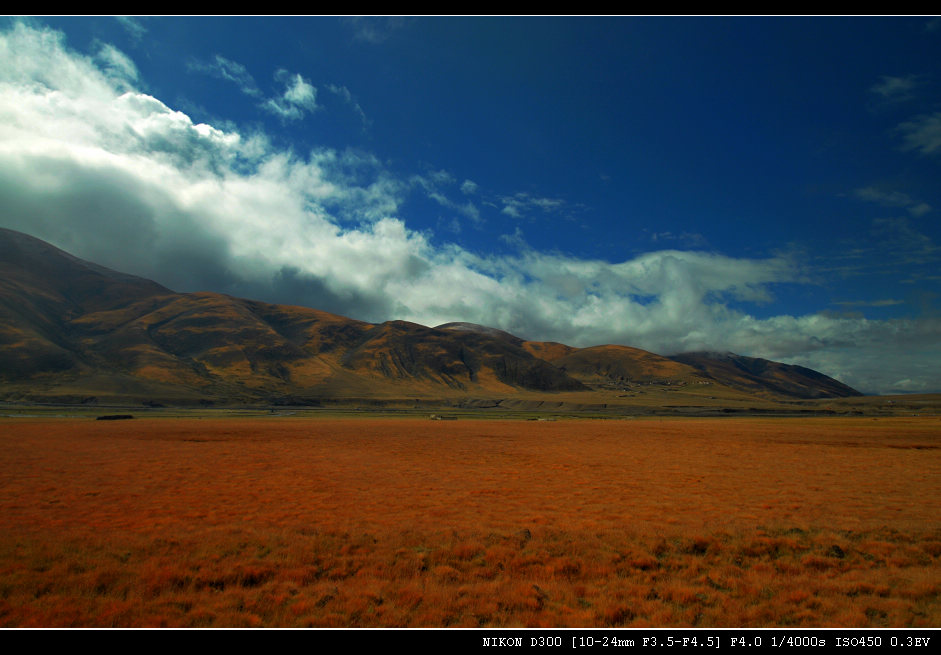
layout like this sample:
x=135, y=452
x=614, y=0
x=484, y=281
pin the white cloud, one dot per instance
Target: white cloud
x=344, y=94
x=299, y=97
x=919, y=209
x=895, y=88
x=118, y=177
x=432, y=184
x=922, y=133
x=229, y=70
x=117, y=65
x=523, y=203
x=510, y=209
x=893, y=199
x=133, y=26
x=375, y=29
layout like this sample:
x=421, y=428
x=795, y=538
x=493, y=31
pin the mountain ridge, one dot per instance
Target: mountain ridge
x=75, y=330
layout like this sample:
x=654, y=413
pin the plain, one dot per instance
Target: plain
x=364, y=522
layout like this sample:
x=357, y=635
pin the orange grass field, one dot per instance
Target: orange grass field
x=359, y=522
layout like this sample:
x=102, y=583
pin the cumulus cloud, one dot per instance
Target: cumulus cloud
x=119, y=177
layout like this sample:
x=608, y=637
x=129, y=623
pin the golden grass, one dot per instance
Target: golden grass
x=403, y=522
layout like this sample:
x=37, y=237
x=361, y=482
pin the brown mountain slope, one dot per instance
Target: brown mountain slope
x=622, y=366
x=457, y=358
x=64, y=282
x=70, y=329
x=765, y=377
x=615, y=367
x=42, y=289
x=548, y=350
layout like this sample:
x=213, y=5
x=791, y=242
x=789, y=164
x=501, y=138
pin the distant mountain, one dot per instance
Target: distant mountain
x=71, y=330
x=626, y=365
x=481, y=329
x=42, y=291
x=763, y=376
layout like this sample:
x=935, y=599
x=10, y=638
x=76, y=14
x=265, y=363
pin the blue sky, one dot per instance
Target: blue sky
x=767, y=186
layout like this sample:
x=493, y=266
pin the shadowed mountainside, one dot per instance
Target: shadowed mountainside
x=73, y=330
x=761, y=375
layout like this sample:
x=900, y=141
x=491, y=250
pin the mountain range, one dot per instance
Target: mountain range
x=74, y=331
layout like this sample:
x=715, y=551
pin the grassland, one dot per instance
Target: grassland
x=337, y=522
